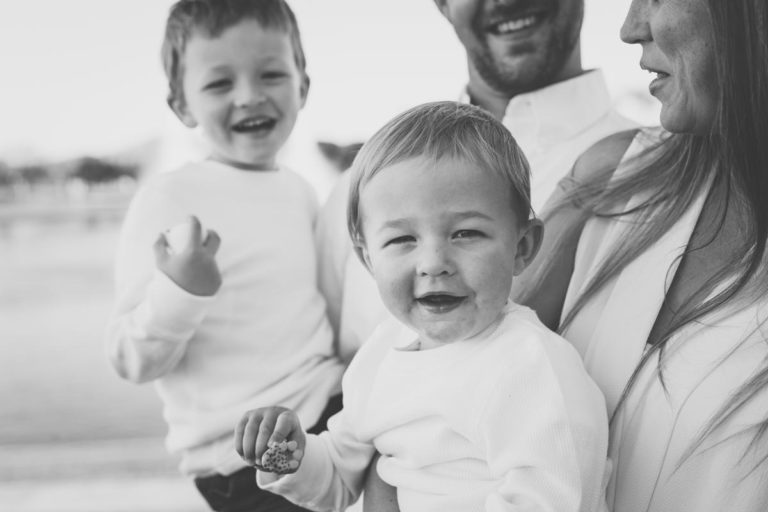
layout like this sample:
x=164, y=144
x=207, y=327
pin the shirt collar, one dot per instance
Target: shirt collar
x=558, y=111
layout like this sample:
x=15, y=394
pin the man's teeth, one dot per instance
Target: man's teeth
x=513, y=25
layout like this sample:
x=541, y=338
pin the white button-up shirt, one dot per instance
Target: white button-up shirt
x=556, y=124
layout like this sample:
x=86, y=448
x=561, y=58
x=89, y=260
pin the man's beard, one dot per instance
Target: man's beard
x=541, y=66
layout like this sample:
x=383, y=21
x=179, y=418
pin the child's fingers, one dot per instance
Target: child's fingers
x=283, y=455
x=247, y=434
x=212, y=242
x=195, y=231
x=161, y=248
x=264, y=432
x=240, y=431
x=284, y=427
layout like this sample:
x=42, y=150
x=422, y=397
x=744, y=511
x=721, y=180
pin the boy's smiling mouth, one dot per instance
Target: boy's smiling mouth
x=257, y=124
x=440, y=302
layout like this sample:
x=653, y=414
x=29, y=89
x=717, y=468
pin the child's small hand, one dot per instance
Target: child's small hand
x=271, y=438
x=194, y=267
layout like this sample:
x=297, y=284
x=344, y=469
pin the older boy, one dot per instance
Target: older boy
x=224, y=329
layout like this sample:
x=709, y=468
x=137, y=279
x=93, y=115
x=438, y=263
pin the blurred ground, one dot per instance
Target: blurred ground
x=73, y=436
x=120, y=475
x=55, y=382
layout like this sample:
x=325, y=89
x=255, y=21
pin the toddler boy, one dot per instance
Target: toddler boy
x=471, y=401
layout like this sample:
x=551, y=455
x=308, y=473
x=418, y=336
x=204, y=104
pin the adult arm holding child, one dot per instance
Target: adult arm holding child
x=544, y=284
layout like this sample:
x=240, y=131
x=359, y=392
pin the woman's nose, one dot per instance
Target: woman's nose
x=636, y=29
x=434, y=260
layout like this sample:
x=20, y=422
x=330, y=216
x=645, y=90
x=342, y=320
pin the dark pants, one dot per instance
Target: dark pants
x=238, y=492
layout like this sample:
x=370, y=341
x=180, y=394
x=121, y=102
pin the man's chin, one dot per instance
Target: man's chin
x=514, y=74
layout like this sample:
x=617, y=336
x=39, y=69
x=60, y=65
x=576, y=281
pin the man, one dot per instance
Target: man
x=525, y=68
x=524, y=61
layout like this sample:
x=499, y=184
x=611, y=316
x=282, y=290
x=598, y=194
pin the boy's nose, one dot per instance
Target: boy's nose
x=248, y=95
x=434, y=260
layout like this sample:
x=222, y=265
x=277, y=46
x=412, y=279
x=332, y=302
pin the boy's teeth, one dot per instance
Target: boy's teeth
x=513, y=25
x=253, y=123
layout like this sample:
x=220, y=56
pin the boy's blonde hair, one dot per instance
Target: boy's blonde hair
x=211, y=18
x=438, y=130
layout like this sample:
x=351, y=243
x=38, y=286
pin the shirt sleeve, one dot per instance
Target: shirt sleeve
x=531, y=441
x=153, y=319
x=333, y=470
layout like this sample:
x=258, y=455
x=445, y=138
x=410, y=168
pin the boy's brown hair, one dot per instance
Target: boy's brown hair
x=443, y=129
x=211, y=18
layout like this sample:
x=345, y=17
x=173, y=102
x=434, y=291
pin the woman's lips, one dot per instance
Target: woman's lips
x=658, y=80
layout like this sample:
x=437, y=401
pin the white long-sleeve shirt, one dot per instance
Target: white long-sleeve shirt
x=507, y=420
x=553, y=126
x=263, y=339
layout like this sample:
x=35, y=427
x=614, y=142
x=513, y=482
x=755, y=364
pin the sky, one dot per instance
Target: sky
x=84, y=76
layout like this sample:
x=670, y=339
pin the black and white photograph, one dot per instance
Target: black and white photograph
x=384, y=256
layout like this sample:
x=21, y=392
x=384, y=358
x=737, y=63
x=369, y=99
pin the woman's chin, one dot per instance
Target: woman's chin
x=691, y=121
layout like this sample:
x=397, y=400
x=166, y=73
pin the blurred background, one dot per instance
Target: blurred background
x=83, y=121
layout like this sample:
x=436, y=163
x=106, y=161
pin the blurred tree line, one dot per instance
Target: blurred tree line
x=89, y=171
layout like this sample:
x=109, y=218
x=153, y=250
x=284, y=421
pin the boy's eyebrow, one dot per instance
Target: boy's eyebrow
x=225, y=67
x=470, y=214
x=269, y=59
x=219, y=68
x=396, y=223
x=462, y=215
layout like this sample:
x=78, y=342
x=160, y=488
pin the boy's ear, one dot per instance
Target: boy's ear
x=179, y=107
x=362, y=253
x=528, y=245
x=304, y=89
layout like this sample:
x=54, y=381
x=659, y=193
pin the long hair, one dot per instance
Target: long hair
x=672, y=173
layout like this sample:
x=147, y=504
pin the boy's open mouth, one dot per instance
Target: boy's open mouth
x=259, y=124
x=440, y=302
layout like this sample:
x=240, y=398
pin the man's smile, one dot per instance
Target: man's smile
x=510, y=19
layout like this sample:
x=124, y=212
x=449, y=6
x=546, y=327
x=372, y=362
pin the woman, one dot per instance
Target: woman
x=656, y=268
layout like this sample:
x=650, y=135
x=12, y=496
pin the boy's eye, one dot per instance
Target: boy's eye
x=465, y=234
x=216, y=84
x=399, y=240
x=273, y=75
